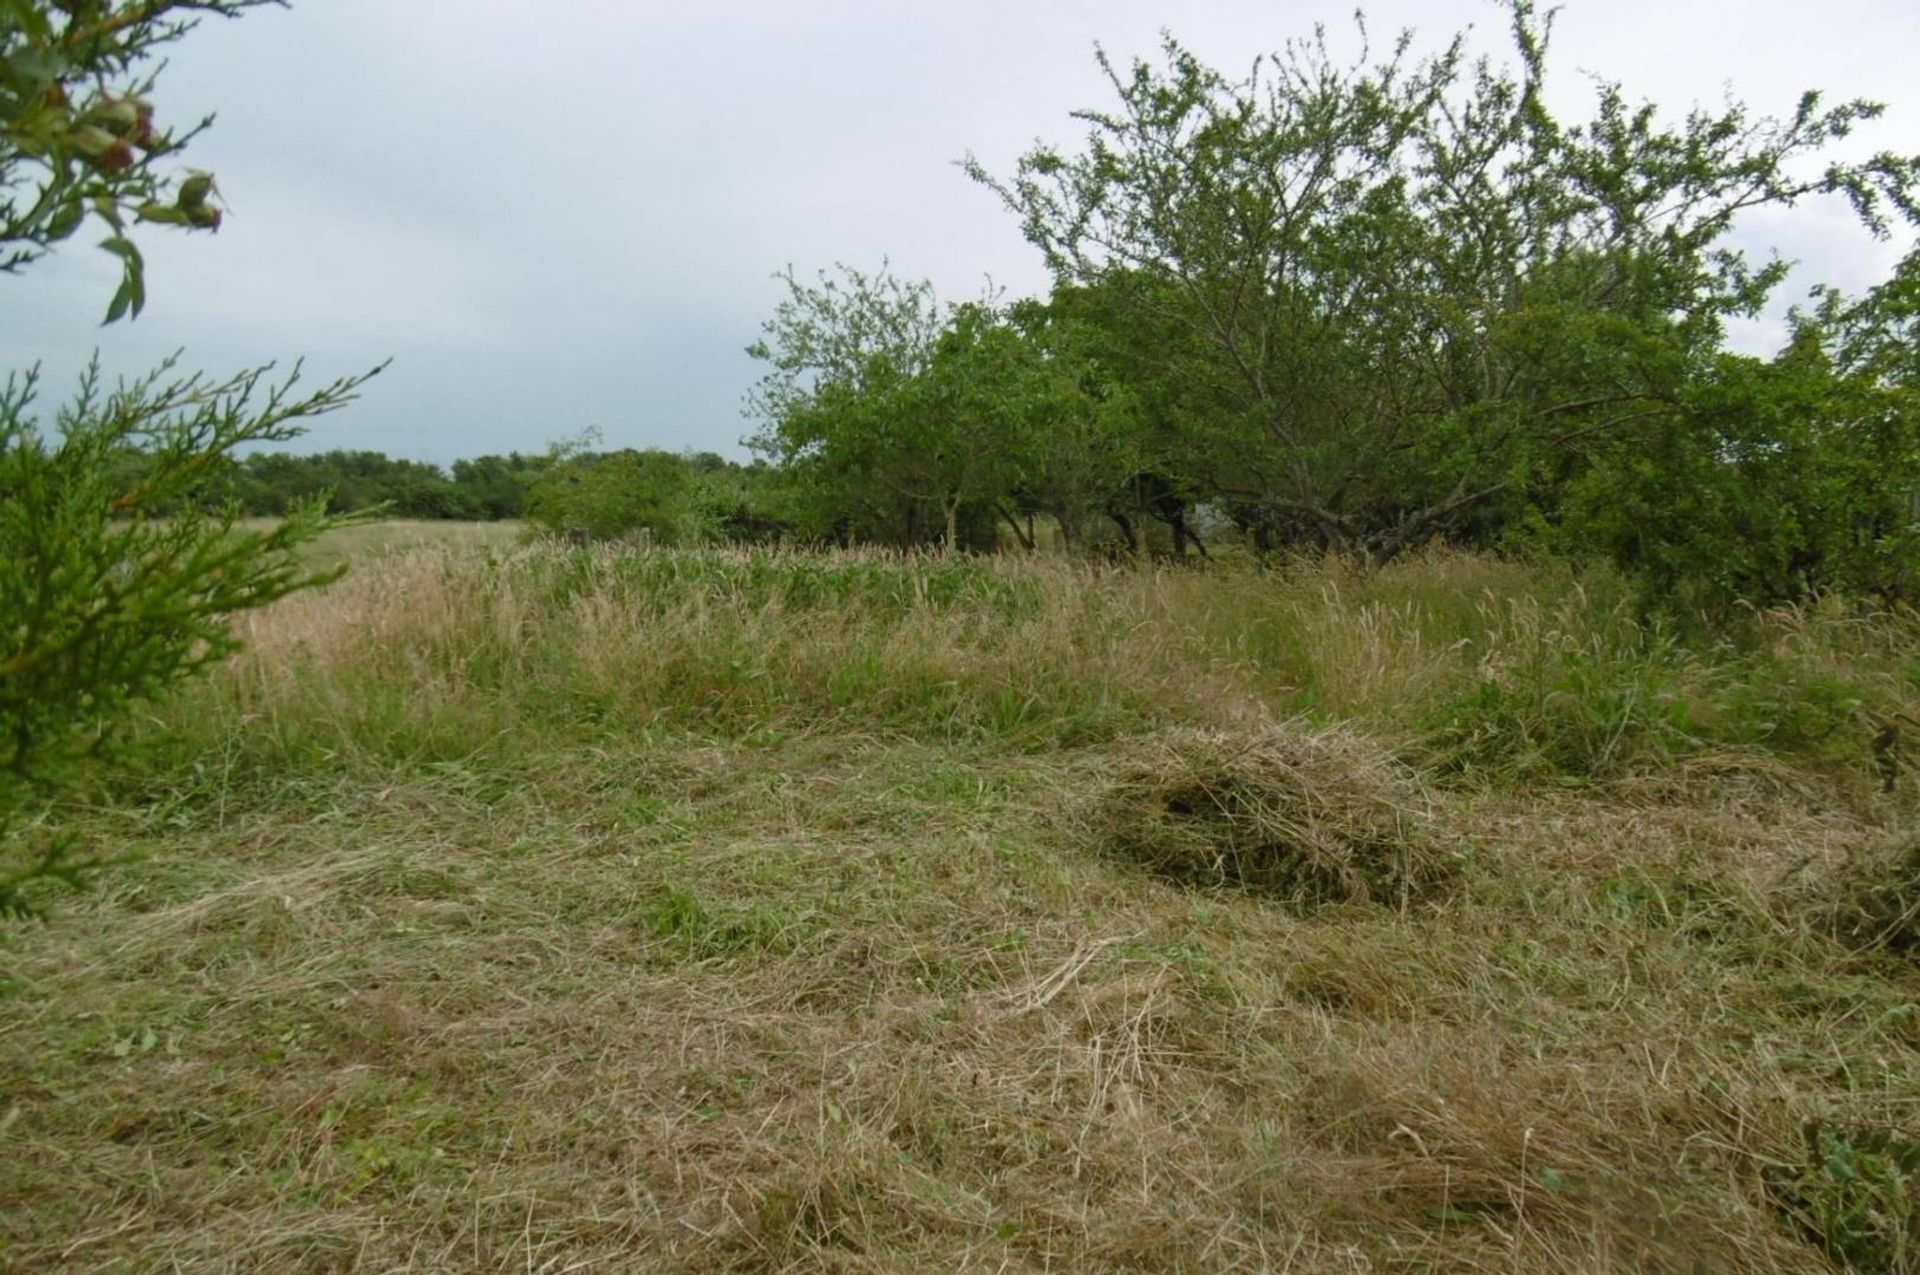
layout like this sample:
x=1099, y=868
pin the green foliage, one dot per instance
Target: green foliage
x=1787, y=708
x=727, y=501
x=914, y=423
x=267, y=484
x=615, y=495
x=1383, y=301
x=1858, y=1197
x=1773, y=480
x=1586, y=693
x=116, y=582
x=113, y=588
x=78, y=131
x=841, y=352
x=1358, y=306
x=1577, y=701
x=495, y=487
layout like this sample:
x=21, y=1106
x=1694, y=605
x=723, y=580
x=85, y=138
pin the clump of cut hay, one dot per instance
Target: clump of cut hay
x=1314, y=816
x=1873, y=901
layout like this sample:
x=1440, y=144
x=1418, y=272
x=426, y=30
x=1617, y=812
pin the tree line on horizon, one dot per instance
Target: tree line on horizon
x=1361, y=306
x=1332, y=306
x=488, y=488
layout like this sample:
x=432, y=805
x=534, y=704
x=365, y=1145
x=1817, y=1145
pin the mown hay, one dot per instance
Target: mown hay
x=1313, y=816
x=1873, y=902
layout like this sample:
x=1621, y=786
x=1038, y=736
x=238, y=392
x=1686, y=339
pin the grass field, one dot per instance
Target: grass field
x=510, y=908
x=364, y=542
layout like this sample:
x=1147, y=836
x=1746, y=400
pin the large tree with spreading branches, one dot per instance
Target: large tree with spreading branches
x=1408, y=291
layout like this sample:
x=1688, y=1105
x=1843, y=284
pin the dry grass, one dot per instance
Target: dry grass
x=1873, y=900
x=721, y=911
x=385, y=537
x=1309, y=816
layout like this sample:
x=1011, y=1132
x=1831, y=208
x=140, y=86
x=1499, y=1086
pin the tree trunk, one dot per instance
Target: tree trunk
x=953, y=526
x=1025, y=537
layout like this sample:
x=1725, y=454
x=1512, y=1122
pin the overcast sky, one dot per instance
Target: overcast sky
x=556, y=214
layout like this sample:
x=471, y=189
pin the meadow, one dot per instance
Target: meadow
x=363, y=541
x=521, y=908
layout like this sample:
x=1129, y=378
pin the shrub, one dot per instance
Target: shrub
x=616, y=495
x=113, y=590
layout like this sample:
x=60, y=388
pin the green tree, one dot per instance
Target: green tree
x=927, y=423
x=1076, y=441
x=974, y=418
x=615, y=495
x=1774, y=479
x=1149, y=378
x=115, y=583
x=1410, y=290
x=495, y=487
x=840, y=354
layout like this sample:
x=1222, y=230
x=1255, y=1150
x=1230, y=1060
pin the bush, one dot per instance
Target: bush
x=112, y=587
x=615, y=495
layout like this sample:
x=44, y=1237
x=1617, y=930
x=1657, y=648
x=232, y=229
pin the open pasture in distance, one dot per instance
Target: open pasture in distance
x=376, y=538
x=544, y=910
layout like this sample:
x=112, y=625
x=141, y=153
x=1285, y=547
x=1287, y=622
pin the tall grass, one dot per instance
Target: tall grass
x=1468, y=665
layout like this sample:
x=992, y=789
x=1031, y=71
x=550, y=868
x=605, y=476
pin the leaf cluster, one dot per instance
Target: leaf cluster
x=79, y=135
x=1407, y=293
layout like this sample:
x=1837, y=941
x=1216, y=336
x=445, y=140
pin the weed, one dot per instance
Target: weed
x=1858, y=1196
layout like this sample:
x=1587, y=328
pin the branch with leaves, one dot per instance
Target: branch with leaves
x=79, y=132
x=115, y=585
x=117, y=578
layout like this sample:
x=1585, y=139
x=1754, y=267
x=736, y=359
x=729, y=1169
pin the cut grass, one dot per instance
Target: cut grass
x=1873, y=901
x=719, y=911
x=1306, y=816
